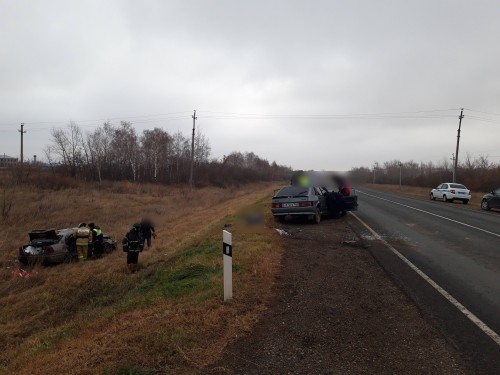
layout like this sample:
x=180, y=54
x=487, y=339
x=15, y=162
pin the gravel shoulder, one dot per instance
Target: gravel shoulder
x=336, y=311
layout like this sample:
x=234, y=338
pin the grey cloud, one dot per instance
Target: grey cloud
x=92, y=60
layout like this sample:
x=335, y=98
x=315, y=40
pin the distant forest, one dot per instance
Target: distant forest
x=477, y=174
x=118, y=153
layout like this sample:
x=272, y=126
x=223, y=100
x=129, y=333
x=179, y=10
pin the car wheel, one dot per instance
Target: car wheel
x=433, y=197
x=107, y=248
x=485, y=205
x=465, y=201
x=445, y=199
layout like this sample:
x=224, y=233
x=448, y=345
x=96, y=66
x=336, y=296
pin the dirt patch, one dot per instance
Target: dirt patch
x=337, y=312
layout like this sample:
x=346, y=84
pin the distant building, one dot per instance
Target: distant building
x=6, y=160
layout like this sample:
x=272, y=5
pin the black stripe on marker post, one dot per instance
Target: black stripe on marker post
x=227, y=249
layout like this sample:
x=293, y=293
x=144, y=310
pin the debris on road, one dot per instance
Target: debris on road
x=348, y=242
x=282, y=232
x=20, y=273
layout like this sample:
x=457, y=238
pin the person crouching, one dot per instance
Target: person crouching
x=133, y=244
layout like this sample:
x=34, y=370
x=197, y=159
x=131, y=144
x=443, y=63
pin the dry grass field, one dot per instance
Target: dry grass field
x=93, y=317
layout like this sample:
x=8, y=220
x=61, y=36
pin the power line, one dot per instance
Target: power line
x=234, y=115
x=342, y=115
x=428, y=114
x=124, y=118
x=217, y=115
x=325, y=117
x=483, y=119
x=486, y=113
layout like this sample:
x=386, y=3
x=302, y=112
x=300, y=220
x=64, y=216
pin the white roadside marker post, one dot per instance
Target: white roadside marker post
x=227, y=251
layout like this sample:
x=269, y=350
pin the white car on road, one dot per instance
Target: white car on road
x=450, y=191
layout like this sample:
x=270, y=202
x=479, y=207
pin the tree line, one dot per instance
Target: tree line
x=477, y=174
x=120, y=153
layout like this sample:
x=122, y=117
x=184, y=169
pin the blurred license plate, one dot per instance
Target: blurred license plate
x=289, y=205
x=461, y=192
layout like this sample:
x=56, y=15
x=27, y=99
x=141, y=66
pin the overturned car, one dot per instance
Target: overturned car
x=50, y=246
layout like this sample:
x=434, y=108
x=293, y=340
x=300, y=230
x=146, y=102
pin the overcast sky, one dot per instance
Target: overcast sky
x=311, y=84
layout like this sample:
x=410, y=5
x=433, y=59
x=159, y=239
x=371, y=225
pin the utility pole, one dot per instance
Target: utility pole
x=453, y=161
x=192, y=152
x=458, y=142
x=22, y=131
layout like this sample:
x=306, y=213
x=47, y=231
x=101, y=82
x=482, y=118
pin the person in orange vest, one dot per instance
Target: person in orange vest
x=83, y=239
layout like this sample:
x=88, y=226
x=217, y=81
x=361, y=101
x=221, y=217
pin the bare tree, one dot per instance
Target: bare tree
x=156, y=148
x=120, y=153
x=234, y=159
x=67, y=144
x=99, y=145
x=181, y=152
x=202, y=148
x=126, y=147
x=483, y=163
x=470, y=163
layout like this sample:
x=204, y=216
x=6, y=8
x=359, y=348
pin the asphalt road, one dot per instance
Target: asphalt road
x=458, y=248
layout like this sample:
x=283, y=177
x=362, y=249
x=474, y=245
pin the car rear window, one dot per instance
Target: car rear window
x=290, y=191
x=457, y=186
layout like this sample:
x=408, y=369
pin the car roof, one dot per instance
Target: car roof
x=455, y=185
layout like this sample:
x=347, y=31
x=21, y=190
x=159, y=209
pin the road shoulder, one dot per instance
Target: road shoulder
x=337, y=311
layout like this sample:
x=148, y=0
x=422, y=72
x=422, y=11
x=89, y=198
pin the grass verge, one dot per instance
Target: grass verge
x=169, y=317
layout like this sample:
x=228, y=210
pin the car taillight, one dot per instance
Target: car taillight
x=452, y=191
x=276, y=205
x=306, y=204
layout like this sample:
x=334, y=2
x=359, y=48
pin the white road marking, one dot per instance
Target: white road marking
x=478, y=322
x=432, y=214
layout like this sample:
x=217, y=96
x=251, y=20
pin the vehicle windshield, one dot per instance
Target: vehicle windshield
x=292, y=191
x=457, y=186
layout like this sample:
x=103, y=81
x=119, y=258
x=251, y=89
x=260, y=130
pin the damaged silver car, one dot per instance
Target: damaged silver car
x=50, y=246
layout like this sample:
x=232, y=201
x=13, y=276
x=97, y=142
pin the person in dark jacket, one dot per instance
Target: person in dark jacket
x=335, y=203
x=95, y=250
x=133, y=244
x=148, y=231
